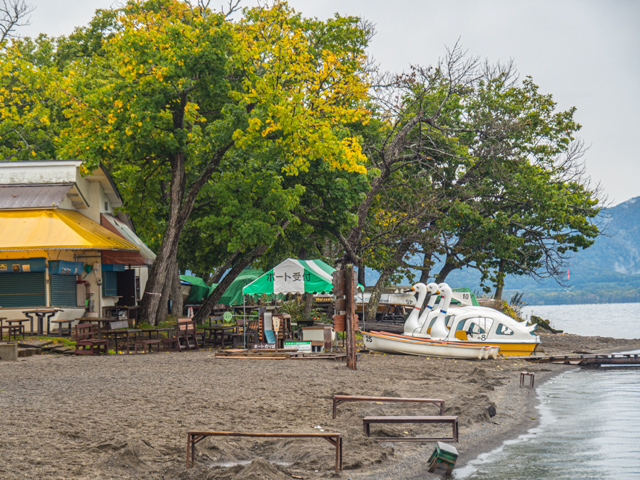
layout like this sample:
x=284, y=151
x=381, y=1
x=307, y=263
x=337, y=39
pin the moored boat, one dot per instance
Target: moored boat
x=486, y=326
x=477, y=325
x=392, y=343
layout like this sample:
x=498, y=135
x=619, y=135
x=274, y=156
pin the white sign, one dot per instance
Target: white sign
x=288, y=278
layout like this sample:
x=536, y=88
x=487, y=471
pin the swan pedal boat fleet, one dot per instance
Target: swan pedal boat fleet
x=470, y=332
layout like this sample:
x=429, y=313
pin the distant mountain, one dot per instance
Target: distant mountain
x=606, y=272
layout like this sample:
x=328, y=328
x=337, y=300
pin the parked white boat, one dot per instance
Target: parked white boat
x=479, y=325
x=486, y=326
x=407, y=298
x=392, y=343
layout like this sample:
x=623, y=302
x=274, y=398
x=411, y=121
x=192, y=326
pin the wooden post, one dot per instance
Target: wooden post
x=275, y=324
x=350, y=282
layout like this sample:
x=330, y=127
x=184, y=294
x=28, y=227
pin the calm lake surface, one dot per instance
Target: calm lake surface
x=589, y=419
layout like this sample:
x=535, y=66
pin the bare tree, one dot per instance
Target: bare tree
x=13, y=14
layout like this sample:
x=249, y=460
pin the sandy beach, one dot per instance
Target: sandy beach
x=126, y=416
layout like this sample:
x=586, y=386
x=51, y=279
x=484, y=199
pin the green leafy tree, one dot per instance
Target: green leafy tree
x=474, y=148
x=179, y=95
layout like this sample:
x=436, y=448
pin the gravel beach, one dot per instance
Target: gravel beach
x=127, y=416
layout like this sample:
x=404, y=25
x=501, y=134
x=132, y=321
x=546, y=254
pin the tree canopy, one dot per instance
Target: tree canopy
x=250, y=140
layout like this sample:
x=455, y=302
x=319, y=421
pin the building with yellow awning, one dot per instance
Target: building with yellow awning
x=63, y=243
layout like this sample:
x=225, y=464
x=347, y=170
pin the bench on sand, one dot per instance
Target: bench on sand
x=338, y=399
x=195, y=436
x=453, y=421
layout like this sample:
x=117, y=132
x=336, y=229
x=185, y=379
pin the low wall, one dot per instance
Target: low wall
x=8, y=352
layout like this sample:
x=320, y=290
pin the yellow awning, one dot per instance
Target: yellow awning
x=56, y=230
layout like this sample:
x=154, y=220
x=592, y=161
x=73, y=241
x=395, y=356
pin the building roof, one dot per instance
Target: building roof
x=32, y=196
x=56, y=229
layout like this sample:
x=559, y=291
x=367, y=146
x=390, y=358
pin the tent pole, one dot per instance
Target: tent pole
x=363, y=320
x=244, y=322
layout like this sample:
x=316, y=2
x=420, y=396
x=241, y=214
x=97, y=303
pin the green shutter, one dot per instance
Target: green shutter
x=110, y=284
x=22, y=290
x=63, y=291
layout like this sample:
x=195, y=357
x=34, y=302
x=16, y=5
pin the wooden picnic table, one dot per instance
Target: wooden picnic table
x=150, y=341
x=451, y=420
x=338, y=399
x=40, y=314
x=127, y=335
x=195, y=436
x=216, y=334
x=14, y=330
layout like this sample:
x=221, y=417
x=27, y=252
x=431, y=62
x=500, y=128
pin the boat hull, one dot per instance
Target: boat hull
x=512, y=349
x=389, y=343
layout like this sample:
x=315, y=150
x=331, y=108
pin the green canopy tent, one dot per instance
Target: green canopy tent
x=233, y=294
x=199, y=288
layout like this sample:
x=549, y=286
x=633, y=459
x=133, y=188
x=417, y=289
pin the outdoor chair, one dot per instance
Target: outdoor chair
x=185, y=338
x=87, y=342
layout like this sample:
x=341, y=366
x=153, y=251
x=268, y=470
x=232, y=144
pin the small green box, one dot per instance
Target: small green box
x=443, y=453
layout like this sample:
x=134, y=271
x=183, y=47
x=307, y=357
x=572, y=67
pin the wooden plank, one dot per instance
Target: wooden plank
x=256, y=357
x=452, y=420
x=350, y=281
x=195, y=436
x=338, y=399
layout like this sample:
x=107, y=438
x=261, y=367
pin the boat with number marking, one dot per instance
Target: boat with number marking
x=403, y=344
x=476, y=325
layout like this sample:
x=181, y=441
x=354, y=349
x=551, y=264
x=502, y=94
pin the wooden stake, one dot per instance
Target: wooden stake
x=350, y=313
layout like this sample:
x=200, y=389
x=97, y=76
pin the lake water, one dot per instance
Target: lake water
x=618, y=320
x=589, y=419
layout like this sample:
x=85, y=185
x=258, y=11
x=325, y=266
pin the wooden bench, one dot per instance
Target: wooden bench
x=14, y=330
x=338, y=399
x=195, y=436
x=147, y=344
x=62, y=331
x=453, y=421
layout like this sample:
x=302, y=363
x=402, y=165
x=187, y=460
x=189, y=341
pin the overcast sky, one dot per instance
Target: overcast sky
x=586, y=53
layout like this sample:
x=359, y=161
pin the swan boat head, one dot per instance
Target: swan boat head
x=412, y=320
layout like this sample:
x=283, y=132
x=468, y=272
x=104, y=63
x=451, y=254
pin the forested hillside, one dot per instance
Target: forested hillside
x=607, y=272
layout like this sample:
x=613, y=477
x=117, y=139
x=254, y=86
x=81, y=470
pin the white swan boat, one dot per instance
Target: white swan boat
x=413, y=345
x=392, y=343
x=475, y=325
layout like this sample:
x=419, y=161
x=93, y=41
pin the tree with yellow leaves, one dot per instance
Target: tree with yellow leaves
x=182, y=97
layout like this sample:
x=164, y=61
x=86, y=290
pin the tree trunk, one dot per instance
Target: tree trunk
x=374, y=299
x=447, y=268
x=178, y=215
x=220, y=271
x=244, y=262
x=308, y=305
x=500, y=280
x=361, y=274
x=176, y=292
x=163, y=306
x=426, y=264
x=207, y=306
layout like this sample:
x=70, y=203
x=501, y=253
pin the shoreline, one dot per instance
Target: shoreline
x=126, y=416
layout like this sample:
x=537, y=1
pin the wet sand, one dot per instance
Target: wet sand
x=126, y=417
